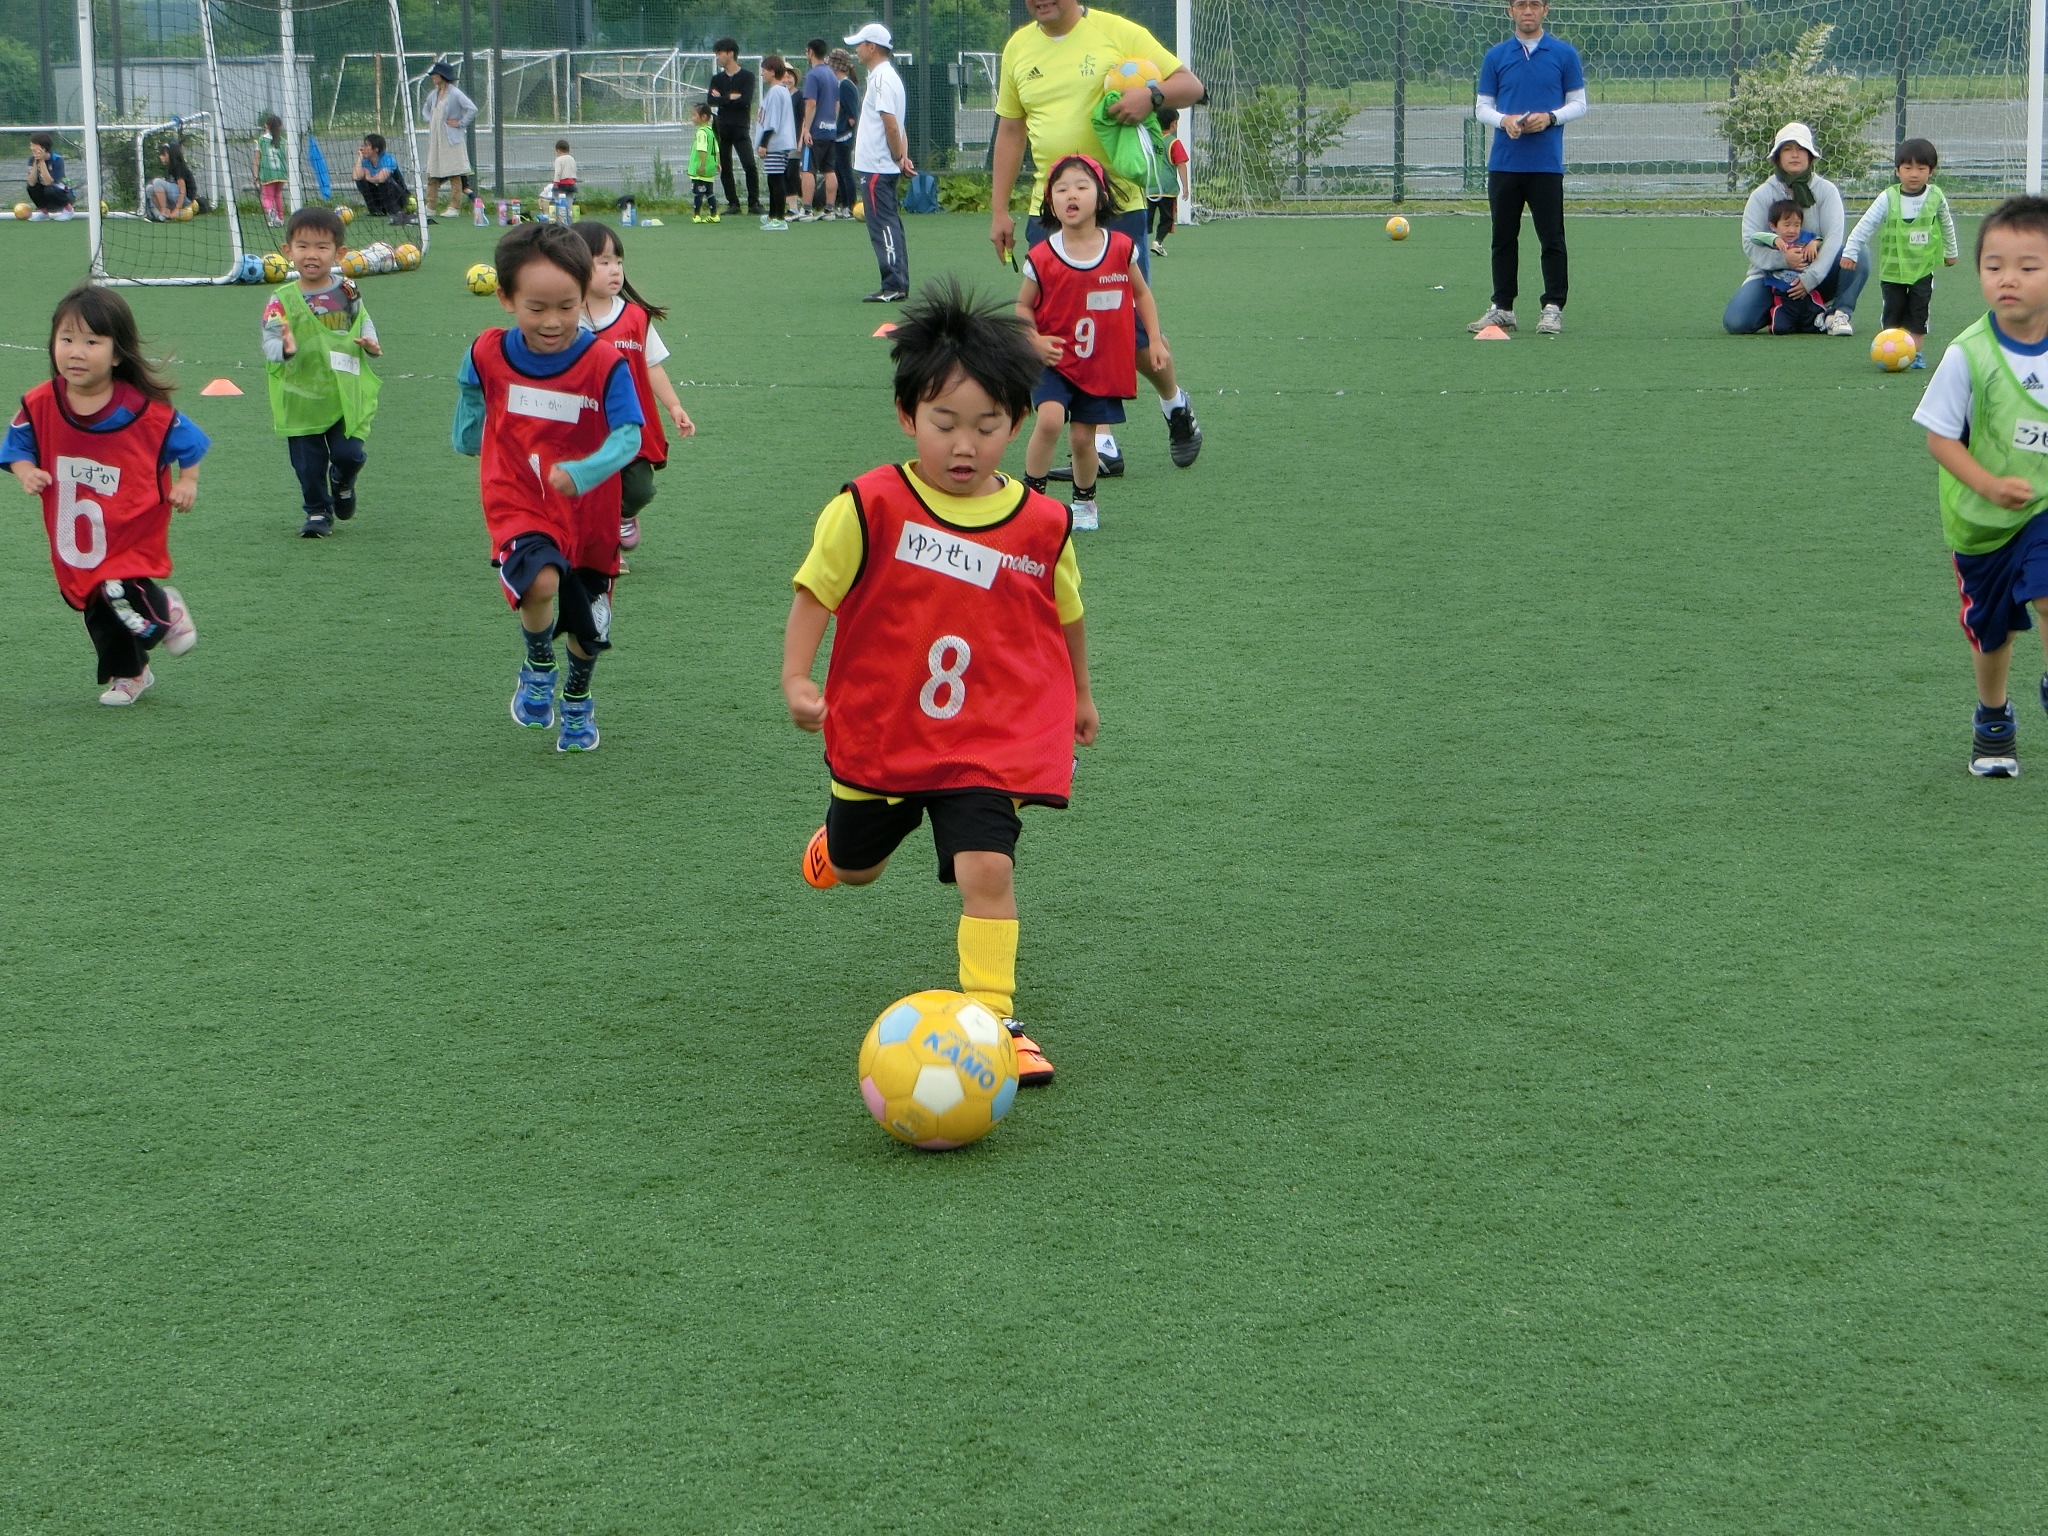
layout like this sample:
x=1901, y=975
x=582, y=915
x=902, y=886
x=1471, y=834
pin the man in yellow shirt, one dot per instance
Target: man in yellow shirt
x=1052, y=76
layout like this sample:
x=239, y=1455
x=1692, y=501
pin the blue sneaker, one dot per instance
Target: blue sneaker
x=1919, y=359
x=579, y=725
x=1995, y=738
x=533, y=702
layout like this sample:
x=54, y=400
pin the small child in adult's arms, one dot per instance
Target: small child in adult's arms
x=1084, y=294
x=323, y=397
x=1903, y=221
x=1793, y=308
x=1986, y=415
x=111, y=459
x=958, y=683
x=703, y=168
x=554, y=415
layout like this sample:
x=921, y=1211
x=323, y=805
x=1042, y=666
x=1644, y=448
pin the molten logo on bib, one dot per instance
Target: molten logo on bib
x=547, y=404
x=948, y=554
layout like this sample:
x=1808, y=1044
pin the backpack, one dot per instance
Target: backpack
x=922, y=195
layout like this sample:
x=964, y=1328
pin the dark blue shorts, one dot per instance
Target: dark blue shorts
x=1998, y=586
x=1095, y=410
x=583, y=602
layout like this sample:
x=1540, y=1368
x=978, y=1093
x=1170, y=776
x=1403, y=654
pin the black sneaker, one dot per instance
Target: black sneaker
x=344, y=504
x=879, y=296
x=1184, y=436
x=2044, y=690
x=1110, y=466
x=1995, y=739
x=316, y=526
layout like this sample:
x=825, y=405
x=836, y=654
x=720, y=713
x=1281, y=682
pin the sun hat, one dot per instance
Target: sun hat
x=444, y=69
x=1794, y=133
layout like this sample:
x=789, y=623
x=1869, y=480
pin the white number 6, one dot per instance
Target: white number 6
x=951, y=678
x=72, y=511
x=1084, y=336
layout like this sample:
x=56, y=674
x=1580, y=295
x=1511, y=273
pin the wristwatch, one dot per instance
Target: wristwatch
x=1158, y=96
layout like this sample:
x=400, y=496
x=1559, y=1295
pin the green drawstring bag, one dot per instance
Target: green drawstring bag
x=1135, y=154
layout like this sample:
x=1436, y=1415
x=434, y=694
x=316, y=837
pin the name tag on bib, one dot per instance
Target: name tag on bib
x=344, y=362
x=2030, y=436
x=951, y=555
x=1918, y=236
x=547, y=404
x=1106, y=298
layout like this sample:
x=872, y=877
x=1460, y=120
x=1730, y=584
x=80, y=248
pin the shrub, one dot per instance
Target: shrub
x=1797, y=87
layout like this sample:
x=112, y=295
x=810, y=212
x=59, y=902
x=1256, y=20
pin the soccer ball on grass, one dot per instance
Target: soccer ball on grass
x=23, y=210
x=346, y=214
x=482, y=280
x=1894, y=350
x=1397, y=228
x=408, y=257
x=354, y=264
x=938, y=1070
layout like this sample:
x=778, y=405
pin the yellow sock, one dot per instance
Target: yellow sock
x=988, y=962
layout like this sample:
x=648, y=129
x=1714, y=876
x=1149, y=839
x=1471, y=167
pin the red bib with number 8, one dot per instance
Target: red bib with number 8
x=950, y=667
x=1090, y=309
x=107, y=508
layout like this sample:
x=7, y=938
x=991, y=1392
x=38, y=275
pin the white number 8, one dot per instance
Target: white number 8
x=1084, y=336
x=951, y=678
x=73, y=510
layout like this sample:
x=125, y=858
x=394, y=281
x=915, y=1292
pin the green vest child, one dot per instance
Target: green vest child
x=2008, y=436
x=1909, y=249
x=704, y=154
x=327, y=377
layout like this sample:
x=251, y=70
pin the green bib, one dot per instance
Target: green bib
x=2008, y=436
x=327, y=376
x=1909, y=249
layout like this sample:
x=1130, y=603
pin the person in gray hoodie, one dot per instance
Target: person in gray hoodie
x=1820, y=207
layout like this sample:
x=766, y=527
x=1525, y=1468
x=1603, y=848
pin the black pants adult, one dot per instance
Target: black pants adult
x=123, y=652
x=49, y=199
x=885, y=230
x=383, y=199
x=842, y=162
x=1542, y=192
x=732, y=140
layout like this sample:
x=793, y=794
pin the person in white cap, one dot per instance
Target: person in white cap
x=881, y=158
x=1820, y=213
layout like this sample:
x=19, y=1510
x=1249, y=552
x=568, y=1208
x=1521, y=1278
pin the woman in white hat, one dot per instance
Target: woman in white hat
x=1820, y=213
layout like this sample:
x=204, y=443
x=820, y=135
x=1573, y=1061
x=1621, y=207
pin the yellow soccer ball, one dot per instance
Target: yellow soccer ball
x=938, y=1070
x=860, y=210
x=408, y=257
x=186, y=211
x=275, y=268
x=1894, y=350
x=1397, y=228
x=354, y=264
x=1132, y=72
x=482, y=279
x=346, y=214
x=23, y=210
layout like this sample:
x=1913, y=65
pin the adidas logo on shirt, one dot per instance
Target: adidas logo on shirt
x=2031, y=381
x=1034, y=73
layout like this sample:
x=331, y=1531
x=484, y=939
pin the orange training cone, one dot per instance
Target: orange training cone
x=1493, y=333
x=885, y=329
x=221, y=387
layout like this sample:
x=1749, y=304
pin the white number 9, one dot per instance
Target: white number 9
x=950, y=678
x=1084, y=336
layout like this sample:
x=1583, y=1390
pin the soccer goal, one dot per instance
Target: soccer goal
x=195, y=115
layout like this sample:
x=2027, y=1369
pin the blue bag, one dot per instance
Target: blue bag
x=923, y=194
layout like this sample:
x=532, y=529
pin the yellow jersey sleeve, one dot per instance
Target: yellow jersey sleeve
x=1066, y=584
x=837, y=548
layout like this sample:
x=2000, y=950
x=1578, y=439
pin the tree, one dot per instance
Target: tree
x=1797, y=87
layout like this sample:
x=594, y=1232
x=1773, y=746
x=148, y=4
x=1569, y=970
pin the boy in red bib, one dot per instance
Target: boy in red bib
x=959, y=676
x=101, y=445
x=553, y=413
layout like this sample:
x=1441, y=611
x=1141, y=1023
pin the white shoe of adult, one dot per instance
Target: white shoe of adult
x=184, y=634
x=1495, y=315
x=126, y=690
x=1552, y=322
x=1839, y=323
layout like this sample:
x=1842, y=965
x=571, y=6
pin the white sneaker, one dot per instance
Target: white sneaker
x=37, y=217
x=126, y=690
x=1839, y=323
x=62, y=214
x=184, y=634
x=1087, y=517
x=1158, y=248
x=1495, y=315
x=1552, y=322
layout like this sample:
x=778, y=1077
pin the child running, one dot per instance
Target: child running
x=270, y=172
x=323, y=397
x=111, y=459
x=1903, y=223
x=620, y=316
x=1986, y=415
x=958, y=683
x=703, y=168
x=553, y=413
x=1084, y=294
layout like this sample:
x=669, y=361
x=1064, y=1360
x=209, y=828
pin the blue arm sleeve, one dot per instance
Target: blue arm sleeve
x=621, y=399
x=619, y=450
x=20, y=443
x=468, y=435
x=185, y=442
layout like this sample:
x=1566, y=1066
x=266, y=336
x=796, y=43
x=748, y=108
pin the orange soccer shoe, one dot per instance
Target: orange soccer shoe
x=1033, y=1070
x=818, y=863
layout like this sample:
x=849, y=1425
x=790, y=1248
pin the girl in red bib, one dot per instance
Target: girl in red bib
x=620, y=316
x=958, y=684
x=1084, y=294
x=101, y=446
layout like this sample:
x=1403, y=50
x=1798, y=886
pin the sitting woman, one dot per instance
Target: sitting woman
x=169, y=196
x=1819, y=277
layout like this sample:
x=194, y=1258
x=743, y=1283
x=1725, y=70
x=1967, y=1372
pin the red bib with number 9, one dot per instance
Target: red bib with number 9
x=950, y=668
x=1090, y=309
x=107, y=509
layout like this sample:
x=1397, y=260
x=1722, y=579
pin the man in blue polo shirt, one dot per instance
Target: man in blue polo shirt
x=1529, y=87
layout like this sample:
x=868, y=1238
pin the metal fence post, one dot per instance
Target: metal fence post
x=1400, y=100
x=1899, y=96
x=497, y=98
x=1734, y=76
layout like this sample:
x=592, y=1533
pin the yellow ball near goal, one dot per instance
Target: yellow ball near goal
x=1397, y=228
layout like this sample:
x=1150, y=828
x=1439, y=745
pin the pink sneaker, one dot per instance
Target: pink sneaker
x=184, y=633
x=629, y=533
x=126, y=690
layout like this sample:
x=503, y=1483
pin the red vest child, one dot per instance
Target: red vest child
x=1090, y=309
x=628, y=333
x=950, y=668
x=107, y=509
x=532, y=424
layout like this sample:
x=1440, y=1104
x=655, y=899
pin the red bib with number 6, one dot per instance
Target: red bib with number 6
x=1090, y=309
x=950, y=667
x=107, y=508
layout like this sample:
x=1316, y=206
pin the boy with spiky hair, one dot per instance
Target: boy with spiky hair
x=958, y=683
x=1986, y=415
x=553, y=414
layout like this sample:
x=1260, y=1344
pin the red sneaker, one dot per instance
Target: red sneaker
x=818, y=863
x=1033, y=1070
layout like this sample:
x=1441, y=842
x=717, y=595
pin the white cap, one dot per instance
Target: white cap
x=1794, y=133
x=874, y=32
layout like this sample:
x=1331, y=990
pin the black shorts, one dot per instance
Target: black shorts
x=1905, y=304
x=859, y=834
x=583, y=601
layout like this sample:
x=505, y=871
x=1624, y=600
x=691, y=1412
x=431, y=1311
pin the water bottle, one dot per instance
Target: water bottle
x=512, y=213
x=476, y=204
x=627, y=214
x=561, y=208
x=501, y=210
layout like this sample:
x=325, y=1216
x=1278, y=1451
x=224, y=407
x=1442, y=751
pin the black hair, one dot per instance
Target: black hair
x=105, y=313
x=551, y=243
x=949, y=330
x=1917, y=152
x=1105, y=194
x=703, y=109
x=561, y=146
x=774, y=64
x=2026, y=214
x=729, y=45
x=375, y=141
x=816, y=48
x=322, y=221
x=1780, y=208
x=597, y=236
x=273, y=125
x=173, y=151
x=42, y=141
x=1168, y=118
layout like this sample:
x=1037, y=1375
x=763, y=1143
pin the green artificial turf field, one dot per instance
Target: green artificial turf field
x=1546, y=1033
